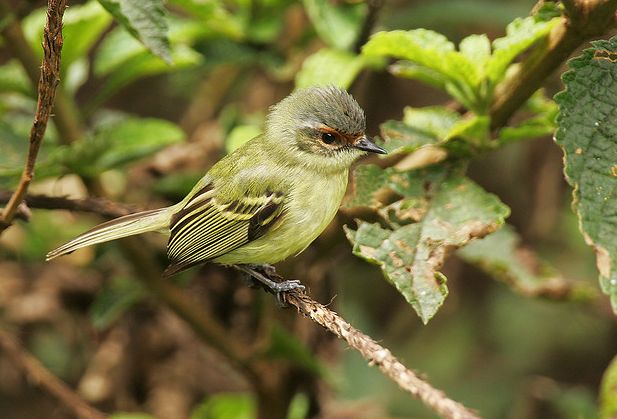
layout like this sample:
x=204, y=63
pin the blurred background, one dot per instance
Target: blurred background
x=92, y=322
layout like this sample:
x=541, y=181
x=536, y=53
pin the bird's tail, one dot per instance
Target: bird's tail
x=141, y=222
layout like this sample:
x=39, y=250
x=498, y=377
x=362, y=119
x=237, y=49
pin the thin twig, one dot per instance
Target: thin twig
x=43, y=378
x=376, y=354
x=98, y=206
x=584, y=20
x=374, y=7
x=50, y=77
x=65, y=113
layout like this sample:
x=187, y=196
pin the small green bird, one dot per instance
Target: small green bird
x=267, y=200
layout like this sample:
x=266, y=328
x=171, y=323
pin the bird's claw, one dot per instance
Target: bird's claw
x=263, y=274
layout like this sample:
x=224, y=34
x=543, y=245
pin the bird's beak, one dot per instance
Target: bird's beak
x=366, y=144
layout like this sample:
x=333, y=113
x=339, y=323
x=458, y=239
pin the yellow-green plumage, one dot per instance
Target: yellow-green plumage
x=266, y=201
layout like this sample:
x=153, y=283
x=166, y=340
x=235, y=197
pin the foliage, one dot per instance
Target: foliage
x=588, y=137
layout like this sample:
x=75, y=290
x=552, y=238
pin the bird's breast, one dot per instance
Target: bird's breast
x=309, y=208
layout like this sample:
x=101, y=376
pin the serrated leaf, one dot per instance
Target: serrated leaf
x=608, y=392
x=145, y=20
x=337, y=24
x=400, y=137
x=434, y=52
x=455, y=211
x=520, y=35
x=368, y=179
x=502, y=256
x=587, y=132
x=329, y=67
x=436, y=121
x=371, y=181
x=477, y=49
x=111, y=302
x=414, y=71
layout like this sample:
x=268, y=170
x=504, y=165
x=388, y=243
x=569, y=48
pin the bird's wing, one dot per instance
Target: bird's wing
x=207, y=227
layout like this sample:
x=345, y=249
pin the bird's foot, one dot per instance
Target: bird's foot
x=261, y=275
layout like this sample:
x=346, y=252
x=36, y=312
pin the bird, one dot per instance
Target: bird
x=265, y=201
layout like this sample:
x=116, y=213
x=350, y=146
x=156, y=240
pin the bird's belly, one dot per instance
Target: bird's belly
x=307, y=215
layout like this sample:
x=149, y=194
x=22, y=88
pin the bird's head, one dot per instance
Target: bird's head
x=323, y=126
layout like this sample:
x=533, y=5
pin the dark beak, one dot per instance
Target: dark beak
x=366, y=144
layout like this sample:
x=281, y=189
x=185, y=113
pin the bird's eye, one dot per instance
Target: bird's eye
x=328, y=137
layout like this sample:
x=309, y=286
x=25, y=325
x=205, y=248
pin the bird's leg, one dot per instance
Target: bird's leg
x=264, y=273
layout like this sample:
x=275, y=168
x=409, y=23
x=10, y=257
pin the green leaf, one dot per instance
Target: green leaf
x=134, y=138
x=587, y=132
x=442, y=213
x=501, y=256
x=212, y=16
x=477, y=49
x=409, y=70
x=82, y=27
x=400, y=137
x=337, y=24
x=474, y=130
x=114, y=300
x=121, y=142
x=329, y=67
x=131, y=415
x=520, y=35
x=370, y=183
x=145, y=20
x=436, y=121
x=13, y=78
x=226, y=406
x=14, y=132
x=434, y=52
x=284, y=345
x=608, y=392
x=542, y=122
x=368, y=180
x=239, y=135
x=145, y=64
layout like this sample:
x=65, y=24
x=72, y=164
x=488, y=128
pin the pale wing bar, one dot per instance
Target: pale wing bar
x=205, y=229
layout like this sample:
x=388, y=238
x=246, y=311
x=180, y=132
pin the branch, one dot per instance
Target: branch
x=65, y=113
x=212, y=333
x=376, y=354
x=45, y=379
x=585, y=19
x=48, y=82
x=374, y=7
x=99, y=206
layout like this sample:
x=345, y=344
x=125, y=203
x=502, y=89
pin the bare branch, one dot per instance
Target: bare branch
x=48, y=82
x=45, y=379
x=99, y=206
x=376, y=354
x=374, y=7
